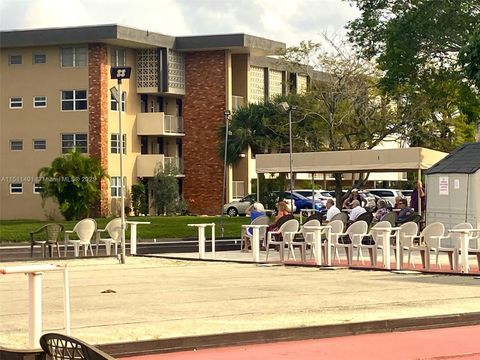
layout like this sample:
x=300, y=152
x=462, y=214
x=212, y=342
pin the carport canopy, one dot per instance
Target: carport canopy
x=350, y=161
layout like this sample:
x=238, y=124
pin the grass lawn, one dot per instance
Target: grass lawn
x=12, y=231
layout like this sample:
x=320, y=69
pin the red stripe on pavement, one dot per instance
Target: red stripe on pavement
x=448, y=343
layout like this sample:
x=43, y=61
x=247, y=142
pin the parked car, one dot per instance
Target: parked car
x=408, y=195
x=301, y=202
x=387, y=194
x=239, y=207
x=321, y=195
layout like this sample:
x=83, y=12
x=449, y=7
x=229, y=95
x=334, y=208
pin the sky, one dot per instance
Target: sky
x=289, y=21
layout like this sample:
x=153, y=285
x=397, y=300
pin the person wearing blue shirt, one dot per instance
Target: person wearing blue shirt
x=255, y=210
x=405, y=211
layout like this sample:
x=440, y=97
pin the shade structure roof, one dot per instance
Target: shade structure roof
x=382, y=160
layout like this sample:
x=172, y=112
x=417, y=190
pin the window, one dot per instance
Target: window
x=74, y=100
x=115, y=190
x=15, y=60
x=113, y=102
x=37, y=189
x=16, y=188
x=39, y=101
x=74, y=56
x=118, y=57
x=39, y=144
x=115, y=143
x=16, y=145
x=39, y=58
x=74, y=141
x=16, y=103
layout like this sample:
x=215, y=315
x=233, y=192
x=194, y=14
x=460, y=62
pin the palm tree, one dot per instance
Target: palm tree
x=73, y=181
x=251, y=126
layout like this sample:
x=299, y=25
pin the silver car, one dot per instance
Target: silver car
x=239, y=207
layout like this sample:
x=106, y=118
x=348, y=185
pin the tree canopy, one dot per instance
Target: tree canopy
x=428, y=51
x=72, y=180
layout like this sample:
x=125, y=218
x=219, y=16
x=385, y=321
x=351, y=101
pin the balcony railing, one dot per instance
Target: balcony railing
x=237, y=102
x=173, y=124
x=176, y=162
x=147, y=163
x=157, y=123
x=238, y=189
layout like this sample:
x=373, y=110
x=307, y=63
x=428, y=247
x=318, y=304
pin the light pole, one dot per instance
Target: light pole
x=226, y=115
x=120, y=73
x=289, y=108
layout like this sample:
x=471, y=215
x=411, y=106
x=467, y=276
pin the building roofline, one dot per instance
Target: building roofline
x=236, y=42
x=110, y=33
x=127, y=36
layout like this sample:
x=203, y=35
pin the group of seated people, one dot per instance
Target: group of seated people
x=354, y=204
x=257, y=209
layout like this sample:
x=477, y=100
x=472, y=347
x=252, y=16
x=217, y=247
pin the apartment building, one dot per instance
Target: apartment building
x=55, y=95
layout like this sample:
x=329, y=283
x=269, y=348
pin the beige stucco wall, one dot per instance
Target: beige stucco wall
x=28, y=80
x=128, y=128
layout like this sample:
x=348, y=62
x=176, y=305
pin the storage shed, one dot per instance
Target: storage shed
x=453, y=188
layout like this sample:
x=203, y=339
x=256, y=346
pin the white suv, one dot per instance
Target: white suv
x=387, y=194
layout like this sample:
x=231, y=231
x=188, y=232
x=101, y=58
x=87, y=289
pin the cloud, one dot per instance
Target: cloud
x=282, y=20
x=163, y=16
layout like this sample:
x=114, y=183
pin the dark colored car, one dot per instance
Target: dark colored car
x=301, y=202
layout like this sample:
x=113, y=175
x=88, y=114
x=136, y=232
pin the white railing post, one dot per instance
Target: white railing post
x=35, y=304
x=66, y=300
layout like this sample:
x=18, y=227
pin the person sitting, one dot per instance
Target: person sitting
x=282, y=210
x=396, y=207
x=357, y=210
x=405, y=211
x=348, y=202
x=332, y=210
x=382, y=210
x=254, y=211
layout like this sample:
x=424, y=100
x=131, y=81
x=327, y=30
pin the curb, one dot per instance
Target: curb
x=189, y=343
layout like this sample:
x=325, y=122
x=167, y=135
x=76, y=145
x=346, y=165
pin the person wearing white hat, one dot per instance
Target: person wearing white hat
x=255, y=210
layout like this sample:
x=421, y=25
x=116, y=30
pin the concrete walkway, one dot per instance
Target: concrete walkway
x=153, y=298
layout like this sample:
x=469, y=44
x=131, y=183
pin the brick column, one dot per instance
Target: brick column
x=98, y=115
x=204, y=104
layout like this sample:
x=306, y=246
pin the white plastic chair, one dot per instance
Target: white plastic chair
x=453, y=247
x=429, y=239
x=308, y=236
x=474, y=244
x=407, y=232
x=114, y=230
x=336, y=230
x=377, y=237
x=84, y=229
x=286, y=232
x=356, y=232
x=261, y=220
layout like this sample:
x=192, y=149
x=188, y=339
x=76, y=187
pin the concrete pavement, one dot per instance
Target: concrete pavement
x=153, y=298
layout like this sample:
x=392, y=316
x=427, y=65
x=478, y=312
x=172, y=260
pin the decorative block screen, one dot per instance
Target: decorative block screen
x=257, y=85
x=176, y=72
x=275, y=83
